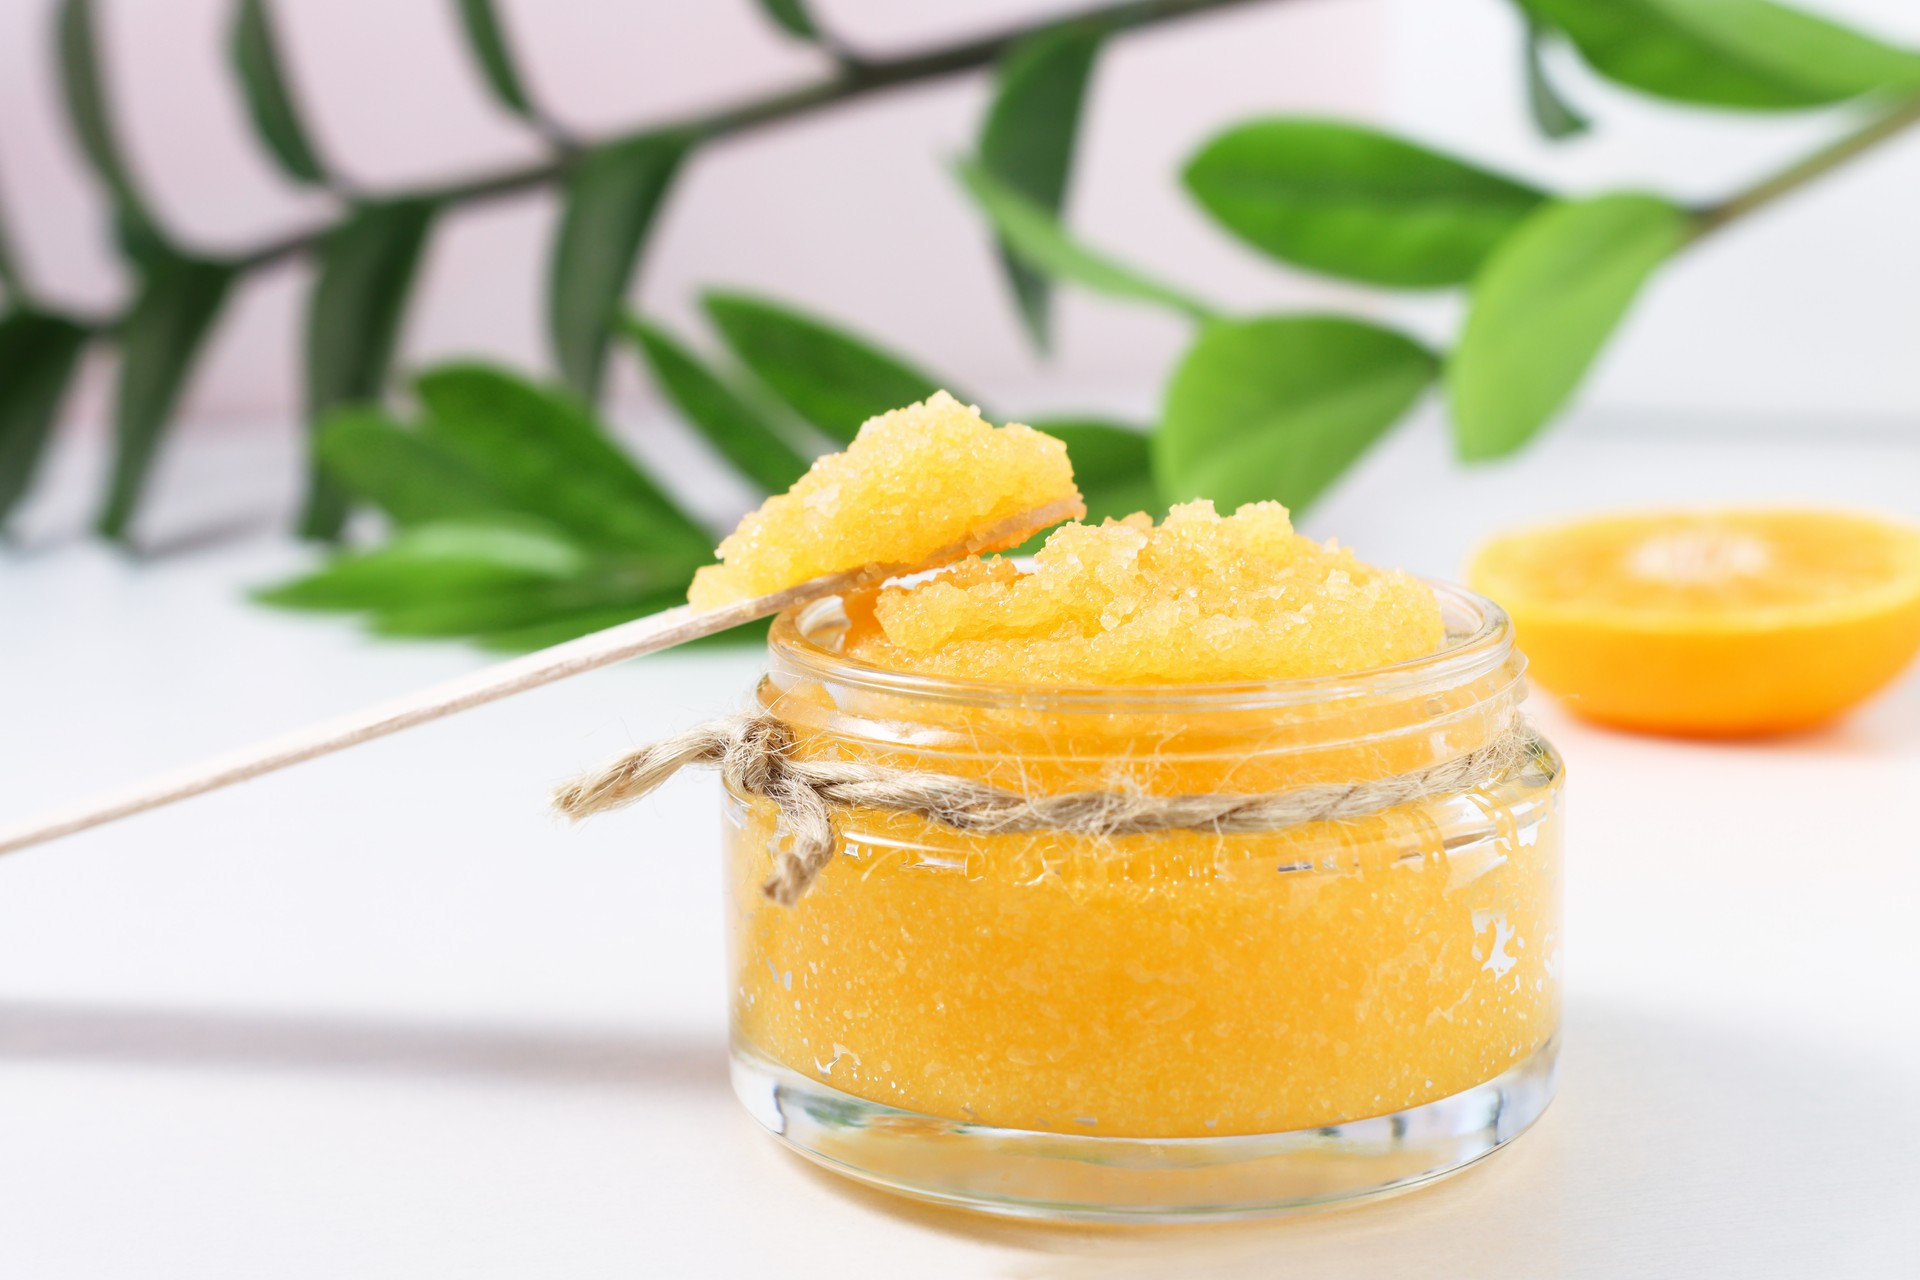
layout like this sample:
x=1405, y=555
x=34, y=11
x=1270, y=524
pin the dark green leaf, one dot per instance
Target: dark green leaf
x=1552, y=114
x=37, y=357
x=793, y=18
x=410, y=478
x=256, y=58
x=611, y=198
x=1027, y=142
x=140, y=242
x=367, y=266
x=547, y=453
x=500, y=573
x=571, y=626
x=1752, y=54
x=1353, y=202
x=829, y=377
x=1279, y=407
x=1543, y=309
x=1112, y=467
x=518, y=606
x=92, y=118
x=1035, y=237
x=435, y=562
x=179, y=299
x=489, y=42
x=729, y=423
x=10, y=278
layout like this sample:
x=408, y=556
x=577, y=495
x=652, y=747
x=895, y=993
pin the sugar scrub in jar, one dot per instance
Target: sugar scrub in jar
x=1198, y=870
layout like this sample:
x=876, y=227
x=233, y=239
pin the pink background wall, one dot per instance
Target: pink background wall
x=852, y=213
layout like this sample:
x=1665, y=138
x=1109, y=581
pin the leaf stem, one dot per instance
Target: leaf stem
x=855, y=78
x=1902, y=116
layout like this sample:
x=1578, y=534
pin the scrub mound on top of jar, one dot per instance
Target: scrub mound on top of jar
x=930, y=480
x=1201, y=598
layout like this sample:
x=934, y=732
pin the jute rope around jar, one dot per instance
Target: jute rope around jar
x=754, y=753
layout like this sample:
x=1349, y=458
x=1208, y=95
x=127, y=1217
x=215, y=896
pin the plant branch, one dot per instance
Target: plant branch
x=855, y=78
x=1889, y=124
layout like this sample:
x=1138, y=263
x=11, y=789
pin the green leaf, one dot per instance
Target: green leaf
x=1350, y=201
x=494, y=574
x=140, y=242
x=832, y=379
x=519, y=606
x=256, y=59
x=1112, y=465
x=573, y=624
x=1544, y=307
x=729, y=423
x=1028, y=139
x=178, y=302
x=1552, y=114
x=367, y=267
x=1279, y=407
x=435, y=562
x=546, y=452
x=489, y=43
x=1035, y=237
x=92, y=119
x=1751, y=54
x=10, y=278
x=38, y=353
x=611, y=198
x=792, y=17
x=410, y=478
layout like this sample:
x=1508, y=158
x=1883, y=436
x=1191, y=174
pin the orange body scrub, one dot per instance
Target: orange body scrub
x=1197, y=868
x=1019, y=1019
x=1197, y=599
x=924, y=484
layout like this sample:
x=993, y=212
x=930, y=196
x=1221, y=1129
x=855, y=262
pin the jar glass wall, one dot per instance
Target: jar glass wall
x=1167, y=1025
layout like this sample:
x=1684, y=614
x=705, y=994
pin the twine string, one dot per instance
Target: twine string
x=754, y=754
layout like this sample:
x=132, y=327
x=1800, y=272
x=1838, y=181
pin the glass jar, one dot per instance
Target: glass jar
x=1158, y=1026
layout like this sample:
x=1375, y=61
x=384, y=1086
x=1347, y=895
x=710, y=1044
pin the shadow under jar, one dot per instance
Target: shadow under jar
x=1166, y=1026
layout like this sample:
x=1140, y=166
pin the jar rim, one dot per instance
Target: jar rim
x=1479, y=642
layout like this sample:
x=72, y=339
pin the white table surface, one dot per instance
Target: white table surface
x=382, y=1017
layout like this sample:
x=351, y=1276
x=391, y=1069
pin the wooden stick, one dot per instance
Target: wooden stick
x=627, y=640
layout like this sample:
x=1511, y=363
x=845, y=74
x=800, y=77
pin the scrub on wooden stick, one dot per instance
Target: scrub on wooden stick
x=920, y=486
x=858, y=518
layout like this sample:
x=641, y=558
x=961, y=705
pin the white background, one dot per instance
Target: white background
x=381, y=1016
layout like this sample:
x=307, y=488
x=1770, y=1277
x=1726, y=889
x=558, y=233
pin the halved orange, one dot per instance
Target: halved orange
x=1714, y=623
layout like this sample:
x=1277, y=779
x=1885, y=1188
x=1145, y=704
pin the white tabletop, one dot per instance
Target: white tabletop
x=382, y=1016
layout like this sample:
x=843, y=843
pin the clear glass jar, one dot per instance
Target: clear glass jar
x=1155, y=1026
